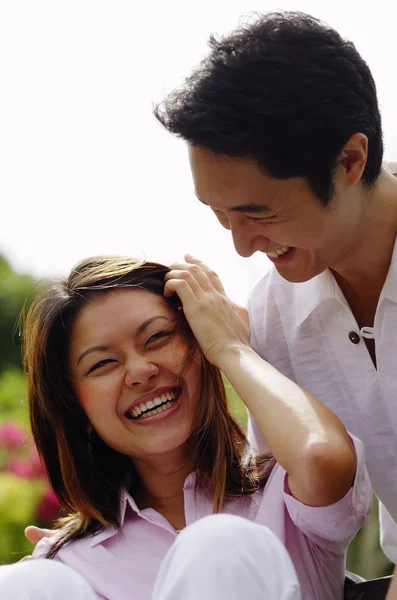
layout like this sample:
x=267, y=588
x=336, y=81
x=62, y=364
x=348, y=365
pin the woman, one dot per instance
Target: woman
x=128, y=411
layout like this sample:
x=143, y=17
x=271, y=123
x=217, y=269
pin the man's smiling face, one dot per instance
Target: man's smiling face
x=280, y=217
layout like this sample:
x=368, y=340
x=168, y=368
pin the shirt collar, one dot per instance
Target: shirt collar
x=127, y=502
x=390, y=288
x=310, y=294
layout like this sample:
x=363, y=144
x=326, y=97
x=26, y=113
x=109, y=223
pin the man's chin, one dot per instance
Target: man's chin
x=296, y=276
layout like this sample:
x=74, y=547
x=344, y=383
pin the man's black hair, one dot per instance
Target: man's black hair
x=287, y=91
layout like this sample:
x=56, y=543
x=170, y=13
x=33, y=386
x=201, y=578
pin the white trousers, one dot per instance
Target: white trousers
x=43, y=580
x=220, y=556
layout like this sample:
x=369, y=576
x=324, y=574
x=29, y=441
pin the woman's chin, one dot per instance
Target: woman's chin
x=164, y=446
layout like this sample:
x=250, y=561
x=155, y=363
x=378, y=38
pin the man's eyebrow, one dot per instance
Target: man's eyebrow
x=105, y=348
x=250, y=207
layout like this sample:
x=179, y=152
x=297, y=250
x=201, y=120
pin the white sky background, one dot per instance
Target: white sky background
x=85, y=168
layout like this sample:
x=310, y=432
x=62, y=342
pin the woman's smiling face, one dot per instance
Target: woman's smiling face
x=125, y=359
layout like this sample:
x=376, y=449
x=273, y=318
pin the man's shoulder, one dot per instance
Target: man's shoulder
x=271, y=310
x=391, y=166
x=277, y=306
x=269, y=280
x=270, y=302
x=274, y=290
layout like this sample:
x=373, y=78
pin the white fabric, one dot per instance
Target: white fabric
x=43, y=580
x=229, y=558
x=221, y=556
x=388, y=534
x=303, y=330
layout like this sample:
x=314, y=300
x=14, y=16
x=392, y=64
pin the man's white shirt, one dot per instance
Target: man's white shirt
x=308, y=332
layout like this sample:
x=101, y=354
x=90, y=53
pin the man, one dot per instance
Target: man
x=285, y=144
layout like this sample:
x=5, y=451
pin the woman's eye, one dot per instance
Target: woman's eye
x=100, y=364
x=157, y=336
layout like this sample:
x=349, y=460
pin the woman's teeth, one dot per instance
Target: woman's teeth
x=153, y=407
x=278, y=252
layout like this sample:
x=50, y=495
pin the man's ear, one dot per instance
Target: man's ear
x=353, y=158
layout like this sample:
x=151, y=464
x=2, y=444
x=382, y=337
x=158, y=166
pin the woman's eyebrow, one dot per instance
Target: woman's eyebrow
x=93, y=349
x=146, y=324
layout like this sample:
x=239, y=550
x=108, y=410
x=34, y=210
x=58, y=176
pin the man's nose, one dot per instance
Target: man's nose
x=246, y=243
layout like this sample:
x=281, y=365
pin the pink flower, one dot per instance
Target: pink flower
x=48, y=508
x=37, y=466
x=21, y=467
x=12, y=436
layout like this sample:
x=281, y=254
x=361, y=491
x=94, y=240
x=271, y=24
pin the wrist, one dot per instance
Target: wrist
x=231, y=356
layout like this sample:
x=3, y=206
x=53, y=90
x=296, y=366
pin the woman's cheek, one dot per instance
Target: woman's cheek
x=90, y=394
x=84, y=394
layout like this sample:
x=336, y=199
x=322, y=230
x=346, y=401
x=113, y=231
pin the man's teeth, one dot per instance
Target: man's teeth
x=153, y=407
x=278, y=252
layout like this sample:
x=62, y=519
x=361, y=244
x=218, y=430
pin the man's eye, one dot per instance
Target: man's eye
x=100, y=364
x=157, y=336
x=255, y=218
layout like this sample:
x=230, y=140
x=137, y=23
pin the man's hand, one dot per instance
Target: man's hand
x=215, y=321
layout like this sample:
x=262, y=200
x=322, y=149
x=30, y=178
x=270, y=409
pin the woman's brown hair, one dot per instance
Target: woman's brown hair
x=85, y=473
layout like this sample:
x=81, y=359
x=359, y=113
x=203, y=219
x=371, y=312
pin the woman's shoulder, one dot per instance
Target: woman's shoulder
x=66, y=547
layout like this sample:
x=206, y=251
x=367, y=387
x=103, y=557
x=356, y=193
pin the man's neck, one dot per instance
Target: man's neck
x=364, y=270
x=361, y=275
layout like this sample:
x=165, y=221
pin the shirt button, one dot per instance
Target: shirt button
x=354, y=337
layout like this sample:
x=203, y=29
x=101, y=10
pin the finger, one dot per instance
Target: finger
x=201, y=275
x=35, y=534
x=182, y=289
x=212, y=276
x=193, y=275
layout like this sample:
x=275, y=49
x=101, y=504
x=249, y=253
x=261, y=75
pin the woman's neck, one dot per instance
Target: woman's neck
x=162, y=479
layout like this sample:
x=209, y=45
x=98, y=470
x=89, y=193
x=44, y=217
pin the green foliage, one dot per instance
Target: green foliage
x=365, y=556
x=15, y=289
x=18, y=501
x=236, y=405
x=25, y=497
x=13, y=403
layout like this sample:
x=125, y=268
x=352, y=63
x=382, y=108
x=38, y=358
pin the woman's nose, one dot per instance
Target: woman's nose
x=140, y=371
